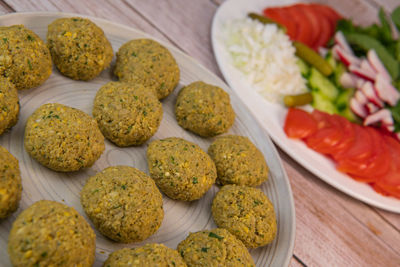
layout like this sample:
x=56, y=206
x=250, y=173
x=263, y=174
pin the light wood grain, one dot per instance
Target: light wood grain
x=332, y=229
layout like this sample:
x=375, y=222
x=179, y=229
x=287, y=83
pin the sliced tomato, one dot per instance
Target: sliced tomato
x=371, y=168
x=315, y=23
x=299, y=124
x=281, y=16
x=392, y=178
x=329, y=133
x=326, y=25
x=361, y=149
x=304, y=31
x=386, y=190
x=348, y=137
x=329, y=12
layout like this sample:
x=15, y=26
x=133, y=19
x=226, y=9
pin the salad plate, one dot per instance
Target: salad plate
x=180, y=218
x=272, y=115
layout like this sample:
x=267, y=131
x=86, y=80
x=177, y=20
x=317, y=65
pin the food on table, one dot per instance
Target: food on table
x=265, y=56
x=147, y=255
x=9, y=104
x=24, y=58
x=127, y=113
x=49, y=233
x=312, y=58
x=10, y=183
x=204, y=109
x=147, y=62
x=215, y=247
x=312, y=24
x=297, y=100
x=238, y=161
x=364, y=153
x=247, y=213
x=63, y=138
x=181, y=169
x=123, y=203
x=78, y=47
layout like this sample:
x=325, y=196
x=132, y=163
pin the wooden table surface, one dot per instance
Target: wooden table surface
x=332, y=229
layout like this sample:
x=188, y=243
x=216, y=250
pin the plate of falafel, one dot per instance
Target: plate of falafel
x=119, y=150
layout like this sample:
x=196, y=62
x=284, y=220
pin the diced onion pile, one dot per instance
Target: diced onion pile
x=266, y=56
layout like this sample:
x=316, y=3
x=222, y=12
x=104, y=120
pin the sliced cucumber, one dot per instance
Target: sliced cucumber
x=323, y=85
x=338, y=72
x=343, y=104
x=304, y=68
x=322, y=103
x=329, y=58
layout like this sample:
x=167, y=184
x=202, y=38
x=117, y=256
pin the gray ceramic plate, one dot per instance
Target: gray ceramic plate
x=180, y=218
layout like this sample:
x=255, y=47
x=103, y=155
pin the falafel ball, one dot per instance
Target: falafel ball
x=63, y=138
x=215, y=247
x=127, y=114
x=181, y=169
x=9, y=105
x=123, y=203
x=49, y=233
x=151, y=255
x=247, y=213
x=10, y=183
x=24, y=57
x=238, y=161
x=148, y=62
x=204, y=109
x=78, y=47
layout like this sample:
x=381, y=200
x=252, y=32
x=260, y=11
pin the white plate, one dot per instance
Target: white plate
x=271, y=116
x=180, y=217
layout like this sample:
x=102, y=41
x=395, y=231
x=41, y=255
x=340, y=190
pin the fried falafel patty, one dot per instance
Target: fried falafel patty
x=24, y=57
x=49, y=233
x=204, y=109
x=9, y=105
x=63, y=138
x=215, y=247
x=78, y=47
x=181, y=169
x=151, y=255
x=247, y=213
x=123, y=203
x=10, y=183
x=238, y=161
x=147, y=62
x=127, y=114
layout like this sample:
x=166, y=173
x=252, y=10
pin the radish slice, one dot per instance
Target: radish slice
x=361, y=98
x=348, y=80
x=389, y=128
x=342, y=42
x=377, y=64
x=358, y=108
x=366, y=66
x=386, y=91
x=362, y=73
x=382, y=116
x=345, y=57
x=371, y=108
x=360, y=82
x=369, y=92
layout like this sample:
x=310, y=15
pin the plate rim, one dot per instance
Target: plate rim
x=281, y=143
x=266, y=137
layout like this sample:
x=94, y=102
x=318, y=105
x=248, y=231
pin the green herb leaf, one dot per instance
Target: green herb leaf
x=204, y=249
x=30, y=65
x=214, y=235
x=195, y=180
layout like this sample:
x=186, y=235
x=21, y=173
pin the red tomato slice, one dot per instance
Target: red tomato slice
x=386, y=190
x=299, y=124
x=329, y=12
x=392, y=178
x=369, y=169
x=280, y=15
x=328, y=136
x=304, y=31
x=315, y=23
x=348, y=137
x=326, y=25
x=361, y=149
